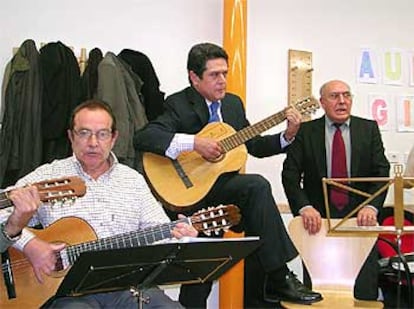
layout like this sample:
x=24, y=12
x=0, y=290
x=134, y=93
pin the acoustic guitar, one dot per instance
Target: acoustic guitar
x=186, y=180
x=80, y=237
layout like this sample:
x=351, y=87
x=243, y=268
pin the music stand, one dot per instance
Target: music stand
x=163, y=264
x=343, y=229
x=397, y=182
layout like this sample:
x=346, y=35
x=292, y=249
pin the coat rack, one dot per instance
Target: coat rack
x=82, y=58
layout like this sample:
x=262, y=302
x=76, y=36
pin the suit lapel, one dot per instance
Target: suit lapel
x=356, y=147
x=318, y=145
x=226, y=111
x=199, y=104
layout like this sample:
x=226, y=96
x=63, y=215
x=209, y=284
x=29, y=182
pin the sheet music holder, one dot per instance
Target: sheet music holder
x=147, y=266
x=342, y=228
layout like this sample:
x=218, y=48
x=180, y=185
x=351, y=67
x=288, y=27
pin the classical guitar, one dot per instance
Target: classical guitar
x=52, y=190
x=186, y=180
x=80, y=237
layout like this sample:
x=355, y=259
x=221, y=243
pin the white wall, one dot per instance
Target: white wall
x=334, y=31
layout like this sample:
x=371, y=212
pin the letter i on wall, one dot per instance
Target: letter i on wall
x=405, y=114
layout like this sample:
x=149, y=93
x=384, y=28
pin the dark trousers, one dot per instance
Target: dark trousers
x=260, y=217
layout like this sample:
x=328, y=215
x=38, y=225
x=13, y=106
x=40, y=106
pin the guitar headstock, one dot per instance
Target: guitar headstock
x=214, y=219
x=61, y=189
x=307, y=106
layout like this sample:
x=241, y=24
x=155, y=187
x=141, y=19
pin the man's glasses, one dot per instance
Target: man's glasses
x=334, y=96
x=101, y=135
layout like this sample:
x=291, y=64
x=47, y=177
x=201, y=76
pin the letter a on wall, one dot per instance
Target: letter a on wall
x=367, y=67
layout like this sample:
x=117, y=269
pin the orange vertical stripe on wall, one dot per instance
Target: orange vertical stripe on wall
x=231, y=284
x=234, y=42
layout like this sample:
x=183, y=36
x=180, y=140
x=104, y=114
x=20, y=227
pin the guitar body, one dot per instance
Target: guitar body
x=202, y=174
x=29, y=292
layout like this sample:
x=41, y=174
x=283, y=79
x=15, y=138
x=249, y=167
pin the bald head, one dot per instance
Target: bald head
x=325, y=88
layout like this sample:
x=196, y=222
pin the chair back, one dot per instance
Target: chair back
x=333, y=261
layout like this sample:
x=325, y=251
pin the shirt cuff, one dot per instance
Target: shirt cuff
x=303, y=208
x=180, y=142
x=373, y=207
x=283, y=141
x=24, y=239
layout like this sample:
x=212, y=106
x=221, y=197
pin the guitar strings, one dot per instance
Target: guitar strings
x=126, y=238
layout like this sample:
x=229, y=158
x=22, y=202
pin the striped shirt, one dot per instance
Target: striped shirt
x=118, y=201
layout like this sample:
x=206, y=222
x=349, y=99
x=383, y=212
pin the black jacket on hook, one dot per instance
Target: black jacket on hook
x=142, y=66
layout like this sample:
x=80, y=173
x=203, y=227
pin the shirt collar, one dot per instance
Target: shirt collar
x=209, y=102
x=329, y=123
x=113, y=161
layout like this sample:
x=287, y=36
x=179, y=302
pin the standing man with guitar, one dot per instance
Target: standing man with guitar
x=25, y=200
x=117, y=201
x=175, y=132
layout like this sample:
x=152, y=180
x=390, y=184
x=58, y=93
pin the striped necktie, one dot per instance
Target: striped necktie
x=214, y=117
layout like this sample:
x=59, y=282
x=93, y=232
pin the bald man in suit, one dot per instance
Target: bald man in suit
x=309, y=158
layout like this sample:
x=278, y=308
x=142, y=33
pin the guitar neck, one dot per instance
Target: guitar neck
x=52, y=190
x=128, y=240
x=4, y=201
x=249, y=132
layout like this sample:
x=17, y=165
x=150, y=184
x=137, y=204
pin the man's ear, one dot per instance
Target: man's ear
x=194, y=78
x=70, y=135
x=114, y=138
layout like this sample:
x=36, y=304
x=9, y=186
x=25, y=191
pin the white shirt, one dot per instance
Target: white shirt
x=118, y=201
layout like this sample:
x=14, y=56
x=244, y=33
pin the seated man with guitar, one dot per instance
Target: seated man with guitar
x=188, y=162
x=25, y=201
x=117, y=204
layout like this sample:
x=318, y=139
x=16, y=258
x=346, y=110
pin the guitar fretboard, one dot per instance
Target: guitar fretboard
x=247, y=133
x=128, y=240
x=4, y=201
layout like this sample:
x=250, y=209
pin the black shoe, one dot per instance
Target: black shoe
x=293, y=291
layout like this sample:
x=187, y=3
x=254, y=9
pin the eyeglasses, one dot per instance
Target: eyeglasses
x=333, y=96
x=101, y=135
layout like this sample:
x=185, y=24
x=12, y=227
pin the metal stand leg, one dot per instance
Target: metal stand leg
x=399, y=280
x=141, y=299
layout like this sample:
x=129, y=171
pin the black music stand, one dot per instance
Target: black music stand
x=140, y=268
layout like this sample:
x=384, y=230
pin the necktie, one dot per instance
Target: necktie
x=339, y=197
x=214, y=117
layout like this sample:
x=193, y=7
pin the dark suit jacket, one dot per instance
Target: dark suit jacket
x=306, y=160
x=187, y=112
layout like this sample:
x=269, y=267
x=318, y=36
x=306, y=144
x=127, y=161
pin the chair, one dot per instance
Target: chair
x=333, y=263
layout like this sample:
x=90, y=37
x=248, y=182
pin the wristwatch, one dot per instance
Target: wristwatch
x=6, y=235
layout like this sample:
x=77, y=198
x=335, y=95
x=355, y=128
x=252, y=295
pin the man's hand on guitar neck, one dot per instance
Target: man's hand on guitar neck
x=42, y=256
x=294, y=119
x=208, y=148
x=182, y=229
x=26, y=201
